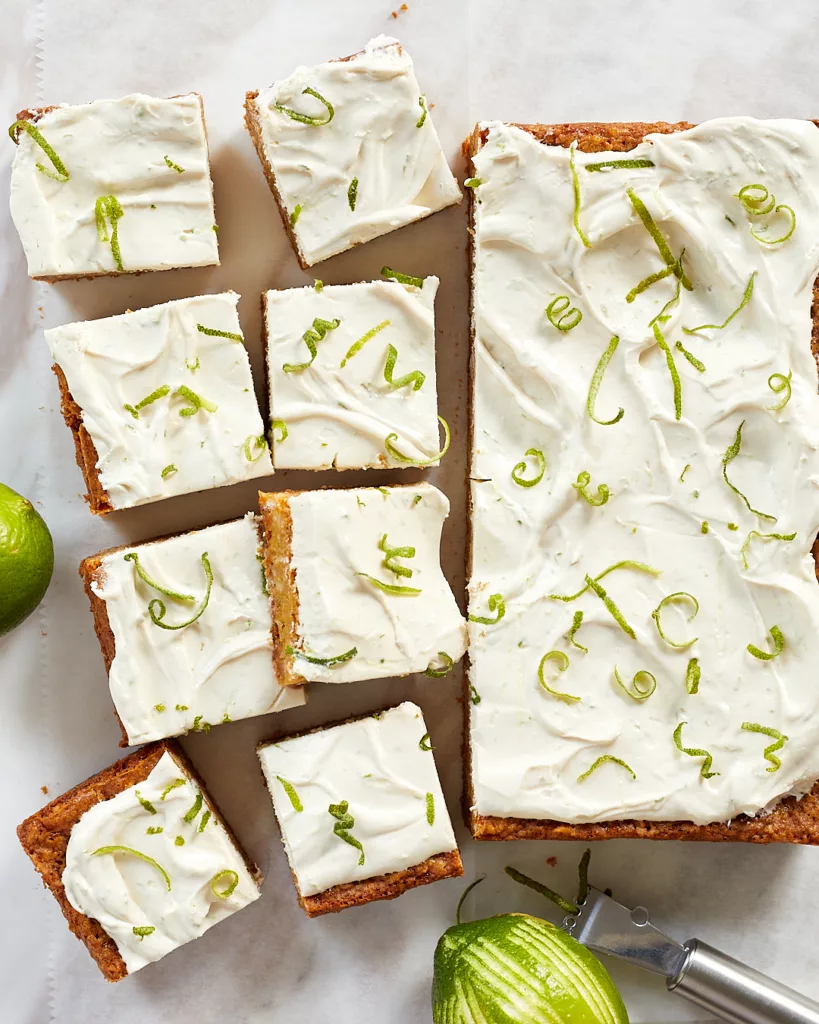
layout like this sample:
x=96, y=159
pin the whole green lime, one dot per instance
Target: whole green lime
x=26, y=558
x=517, y=969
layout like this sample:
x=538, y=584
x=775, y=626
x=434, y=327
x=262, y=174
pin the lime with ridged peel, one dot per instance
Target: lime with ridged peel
x=517, y=969
x=26, y=558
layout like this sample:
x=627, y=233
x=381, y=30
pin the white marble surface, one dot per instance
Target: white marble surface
x=545, y=60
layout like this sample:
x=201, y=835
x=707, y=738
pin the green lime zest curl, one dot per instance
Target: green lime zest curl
x=782, y=238
x=651, y=227
x=199, y=725
x=195, y=402
x=446, y=668
x=577, y=622
x=173, y=166
x=696, y=363
x=474, y=696
x=647, y=282
x=756, y=200
x=257, y=441
x=292, y=795
x=620, y=164
x=768, y=753
x=391, y=553
x=193, y=367
x=779, y=646
x=520, y=468
x=281, y=426
x=415, y=377
x=464, y=894
x=316, y=122
x=576, y=193
x=352, y=193
x=597, y=380
x=149, y=807
x=109, y=207
x=625, y=564
x=154, y=396
x=37, y=137
x=778, y=383
x=169, y=470
x=135, y=853
x=345, y=821
x=422, y=103
x=194, y=809
x=203, y=821
x=331, y=662
x=582, y=487
x=172, y=785
x=497, y=605
x=611, y=607
x=705, y=770
x=424, y=743
x=212, y=332
x=400, y=457
x=762, y=536
x=562, y=661
x=679, y=595
x=544, y=890
x=746, y=298
x=406, y=279
x=642, y=685
x=562, y=314
x=730, y=454
x=133, y=556
x=391, y=588
x=692, y=676
x=430, y=801
x=157, y=609
x=603, y=760
x=227, y=890
x=672, y=369
x=295, y=214
x=311, y=337
x=362, y=341
x=664, y=316
x=142, y=930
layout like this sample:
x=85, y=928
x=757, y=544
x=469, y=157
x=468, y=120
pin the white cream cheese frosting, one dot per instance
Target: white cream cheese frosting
x=670, y=506
x=150, y=154
x=150, y=909
x=167, y=446
x=383, y=769
x=336, y=538
x=219, y=668
x=339, y=411
x=380, y=136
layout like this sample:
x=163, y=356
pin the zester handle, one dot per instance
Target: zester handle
x=737, y=993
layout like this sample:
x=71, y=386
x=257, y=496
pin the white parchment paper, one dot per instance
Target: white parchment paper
x=531, y=60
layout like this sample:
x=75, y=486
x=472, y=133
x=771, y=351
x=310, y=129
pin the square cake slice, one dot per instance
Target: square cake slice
x=160, y=401
x=356, y=584
x=351, y=373
x=113, y=187
x=360, y=809
x=184, y=625
x=349, y=150
x=139, y=859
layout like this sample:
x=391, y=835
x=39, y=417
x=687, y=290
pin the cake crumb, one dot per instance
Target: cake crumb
x=552, y=862
x=400, y=10
x=44, y=790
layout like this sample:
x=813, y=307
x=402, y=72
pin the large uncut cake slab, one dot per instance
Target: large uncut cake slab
x=644, y=604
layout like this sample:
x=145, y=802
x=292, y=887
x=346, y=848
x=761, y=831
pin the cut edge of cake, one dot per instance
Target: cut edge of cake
x=277, y=523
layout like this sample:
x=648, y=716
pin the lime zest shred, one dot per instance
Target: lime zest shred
x=223, y=893
x=633, y=162
x=782, y=238
x=390, y=588
x=730, y=454
x=520, y=468
x=400, y=457
x=169, y=470
x=577, y=622
x=257, y=441
x=576, y=194
x=142, y=930
x=281, y=426
x=562, y=314
x=149, y=807
x=473, y=182
x=439, y=673
x=768, y=753
x=199, y=725
x=430, y=801
x=762, y=536
x=159, y=707
x=685, y=470
x=422, y=103
x=203, y=821
x=179, y=841
x=194, y=809
x=562, y=661
x=133, y=556
x=692, y=676
x=664, y=316
x=406, y=279
x=734, y=526
x=464, y=894
x=157, y=609
x=109, y=207
x=391, y=553
x=416, y=378
x=195, y=402
x=696, y=363
x=316, y=122
x=746, y=298
x=344, y=822
x=597, y=380
x=352, y=194
x=295, y=214
x=778, y=383
x=603, y=760
x=496, y=604
x=311, y=337
x=637, y=689
x=611, y=607
x=212, y=332
x=182, y=707
x=318, y=285
x=173, y=166
x=651, y=227
x=582, y=487
x=779, y=646
x=544, y=890
x=474, y=696
x=135, y=853
x=705, y=770
x=627, y=563
x=37, y=137
x=172, y=785
x=292, y=795
x=679, y=595
x=330, y=662
x=154, y=830
x=704, y=526
x=193, y=368
x=424, y=743
x=154, y=396
x=647, y=282
x=672, y=369
x=362, y=341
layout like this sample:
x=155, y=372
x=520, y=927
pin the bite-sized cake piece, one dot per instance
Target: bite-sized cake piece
x=356, y=584
x=160, y=401
x=349, y=150
x=351, y=373
x=184, y=626
x=139, y=859
x=360, y=809
x=113, y=186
